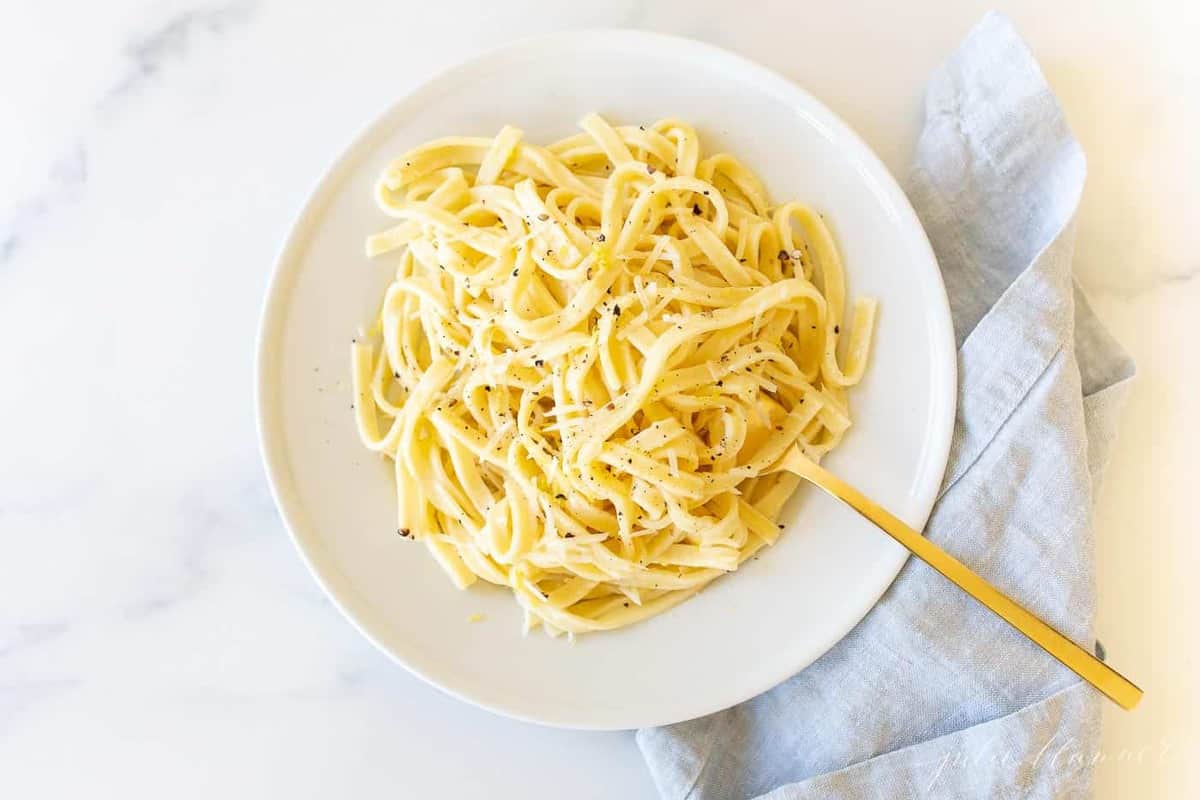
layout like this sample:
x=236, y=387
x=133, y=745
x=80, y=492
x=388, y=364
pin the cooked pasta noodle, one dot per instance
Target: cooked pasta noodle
x=590, y=355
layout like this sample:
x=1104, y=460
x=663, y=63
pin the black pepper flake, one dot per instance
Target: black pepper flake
x=396, y=375
x=405, y=532
x=560, y=497
x=569, y=535
x=720, y=383
x=780, y=526
x=626, y=604
x=696, y=209
x=705, y=192
x=600, y=238
x=641, y=127
x=616, y=311
x=514, y=273
x=650, y=168
x=487, y=388
x=778, y=427
x=784, y=255
x=538, y=362
x=837, y=329
x=543, y=217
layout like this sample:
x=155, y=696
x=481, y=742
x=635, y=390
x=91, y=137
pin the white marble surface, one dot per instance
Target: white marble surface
x=159, y=636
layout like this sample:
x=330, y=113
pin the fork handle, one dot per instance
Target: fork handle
x=1116, y=686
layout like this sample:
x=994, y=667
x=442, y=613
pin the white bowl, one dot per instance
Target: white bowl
x=747, y=631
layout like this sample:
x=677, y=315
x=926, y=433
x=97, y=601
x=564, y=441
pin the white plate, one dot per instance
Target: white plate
x=746, y=632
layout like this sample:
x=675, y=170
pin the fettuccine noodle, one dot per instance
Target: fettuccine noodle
x=590, y=354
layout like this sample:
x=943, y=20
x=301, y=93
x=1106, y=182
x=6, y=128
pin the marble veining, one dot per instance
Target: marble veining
x=31, y=634
x=65, y=177
x=146, y=56
x=150, y=53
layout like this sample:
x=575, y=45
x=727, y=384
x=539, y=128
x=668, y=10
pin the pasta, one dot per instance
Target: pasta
x=589, y=358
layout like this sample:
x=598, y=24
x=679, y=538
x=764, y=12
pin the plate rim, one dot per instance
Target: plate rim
x=272, y=315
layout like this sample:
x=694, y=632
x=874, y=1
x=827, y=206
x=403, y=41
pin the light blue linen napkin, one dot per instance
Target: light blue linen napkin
x=932, y=696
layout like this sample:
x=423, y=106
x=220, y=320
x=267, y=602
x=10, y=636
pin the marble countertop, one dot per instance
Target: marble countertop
x=157, y=631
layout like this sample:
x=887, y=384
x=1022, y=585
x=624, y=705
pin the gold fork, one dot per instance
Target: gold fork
x=1116, y=686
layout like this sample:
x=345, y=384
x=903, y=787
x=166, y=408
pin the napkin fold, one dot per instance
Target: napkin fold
x=931, y=695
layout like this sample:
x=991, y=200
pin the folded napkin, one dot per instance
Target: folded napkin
x=930, y=695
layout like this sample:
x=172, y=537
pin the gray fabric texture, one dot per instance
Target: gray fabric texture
x=930, y=695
